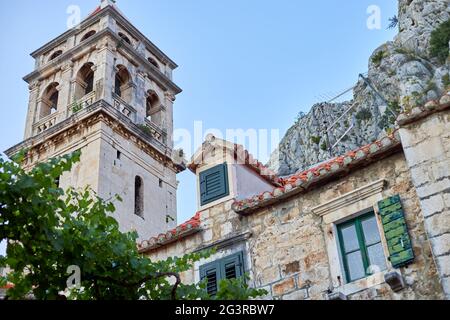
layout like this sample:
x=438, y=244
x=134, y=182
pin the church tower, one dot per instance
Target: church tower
x=105, y=89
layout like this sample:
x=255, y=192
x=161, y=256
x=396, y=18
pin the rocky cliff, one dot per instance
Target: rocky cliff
x=401, y=74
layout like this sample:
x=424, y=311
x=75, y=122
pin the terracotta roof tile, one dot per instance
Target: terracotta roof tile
x=302, y=180
x=187, y=228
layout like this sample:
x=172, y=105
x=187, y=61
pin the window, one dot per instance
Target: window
x=361, y=247
x=122, y=86
x=55, y=55
x=84, y=81
x=160, y=183
x=153, y=62
x=213, y=184
x=139, y=197
x=118, y=155
x=49, y=104
x=230, y=267
x=88, y=35
x=153, y=108
x=124, y=38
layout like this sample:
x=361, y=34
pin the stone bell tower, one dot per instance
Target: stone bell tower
x=105, y=89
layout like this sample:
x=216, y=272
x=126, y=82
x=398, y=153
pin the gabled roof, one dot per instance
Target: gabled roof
x=239, y=153
x=182, y=231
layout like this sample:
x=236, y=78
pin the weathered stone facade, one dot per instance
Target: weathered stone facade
x=290, y=239
x=105, y=89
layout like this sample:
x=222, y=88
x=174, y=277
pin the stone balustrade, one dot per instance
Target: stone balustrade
x=124, y=107
x=45, y=123
x=155, y=131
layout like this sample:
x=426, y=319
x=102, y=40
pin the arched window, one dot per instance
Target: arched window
x=124, y=38
x=49, y=100
x=55, y=55
x=139, y=197
x=153, y=62
x=88, y=35
x=84, y=80
x=153, y=108
x=122, y=86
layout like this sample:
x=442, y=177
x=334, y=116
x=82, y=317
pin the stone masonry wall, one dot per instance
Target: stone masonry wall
x=287, y=255
x=427, y=149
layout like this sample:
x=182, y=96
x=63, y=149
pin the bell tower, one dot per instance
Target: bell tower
x=105, y=89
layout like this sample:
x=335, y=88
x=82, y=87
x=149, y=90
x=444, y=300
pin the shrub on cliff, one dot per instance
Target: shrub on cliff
x=440, y=38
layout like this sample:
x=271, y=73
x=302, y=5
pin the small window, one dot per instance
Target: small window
x=124, y=38
x=160, y=183
x=361, y=247
x=119, y=154
x=88, y=35
x=213, y=184
x=55, y=55
x=139, y=197
x=153, y=62
x=231, y=267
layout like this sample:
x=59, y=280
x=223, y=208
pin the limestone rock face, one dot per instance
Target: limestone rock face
x=401, y=75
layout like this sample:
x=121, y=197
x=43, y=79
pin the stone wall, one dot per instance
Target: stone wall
x=285, y=245
x=427, y=149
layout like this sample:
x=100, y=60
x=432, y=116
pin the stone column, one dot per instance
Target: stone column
x=32, y=116
x=105, y=72
x=167, y=117
x=139, y=96
x=426, y=142
x=65, y=94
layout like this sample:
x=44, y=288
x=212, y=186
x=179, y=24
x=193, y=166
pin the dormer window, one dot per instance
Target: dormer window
x=124, y=38
x=55, y=55
x=214, y=184
x=88, y=35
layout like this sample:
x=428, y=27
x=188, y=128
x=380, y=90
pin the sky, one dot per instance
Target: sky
x=243, y=64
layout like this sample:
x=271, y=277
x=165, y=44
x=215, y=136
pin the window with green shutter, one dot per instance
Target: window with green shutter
x=361, y=247
x=213, y=184
x=230, y=267
x=396, y=231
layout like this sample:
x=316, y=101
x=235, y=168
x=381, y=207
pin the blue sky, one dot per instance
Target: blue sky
x=250, y=64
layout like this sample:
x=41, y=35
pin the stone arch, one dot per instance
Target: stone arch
x=84, y=81
x=153, y=108
x=153, y=62
x=88, y=35
x=139, y=196
x=125, y=38
x=55, y=55
x=123, y=84
x=49, y=100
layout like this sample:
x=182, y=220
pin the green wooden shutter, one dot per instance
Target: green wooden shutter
x=211, y=272
x=396, y=231
x=230, y=267
x=213, y=184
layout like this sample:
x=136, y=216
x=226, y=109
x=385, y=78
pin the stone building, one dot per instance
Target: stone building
x=371, y=224
x=105, y=89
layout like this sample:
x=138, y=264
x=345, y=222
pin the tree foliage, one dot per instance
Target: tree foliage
x=439, y=41
x=49, y=230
